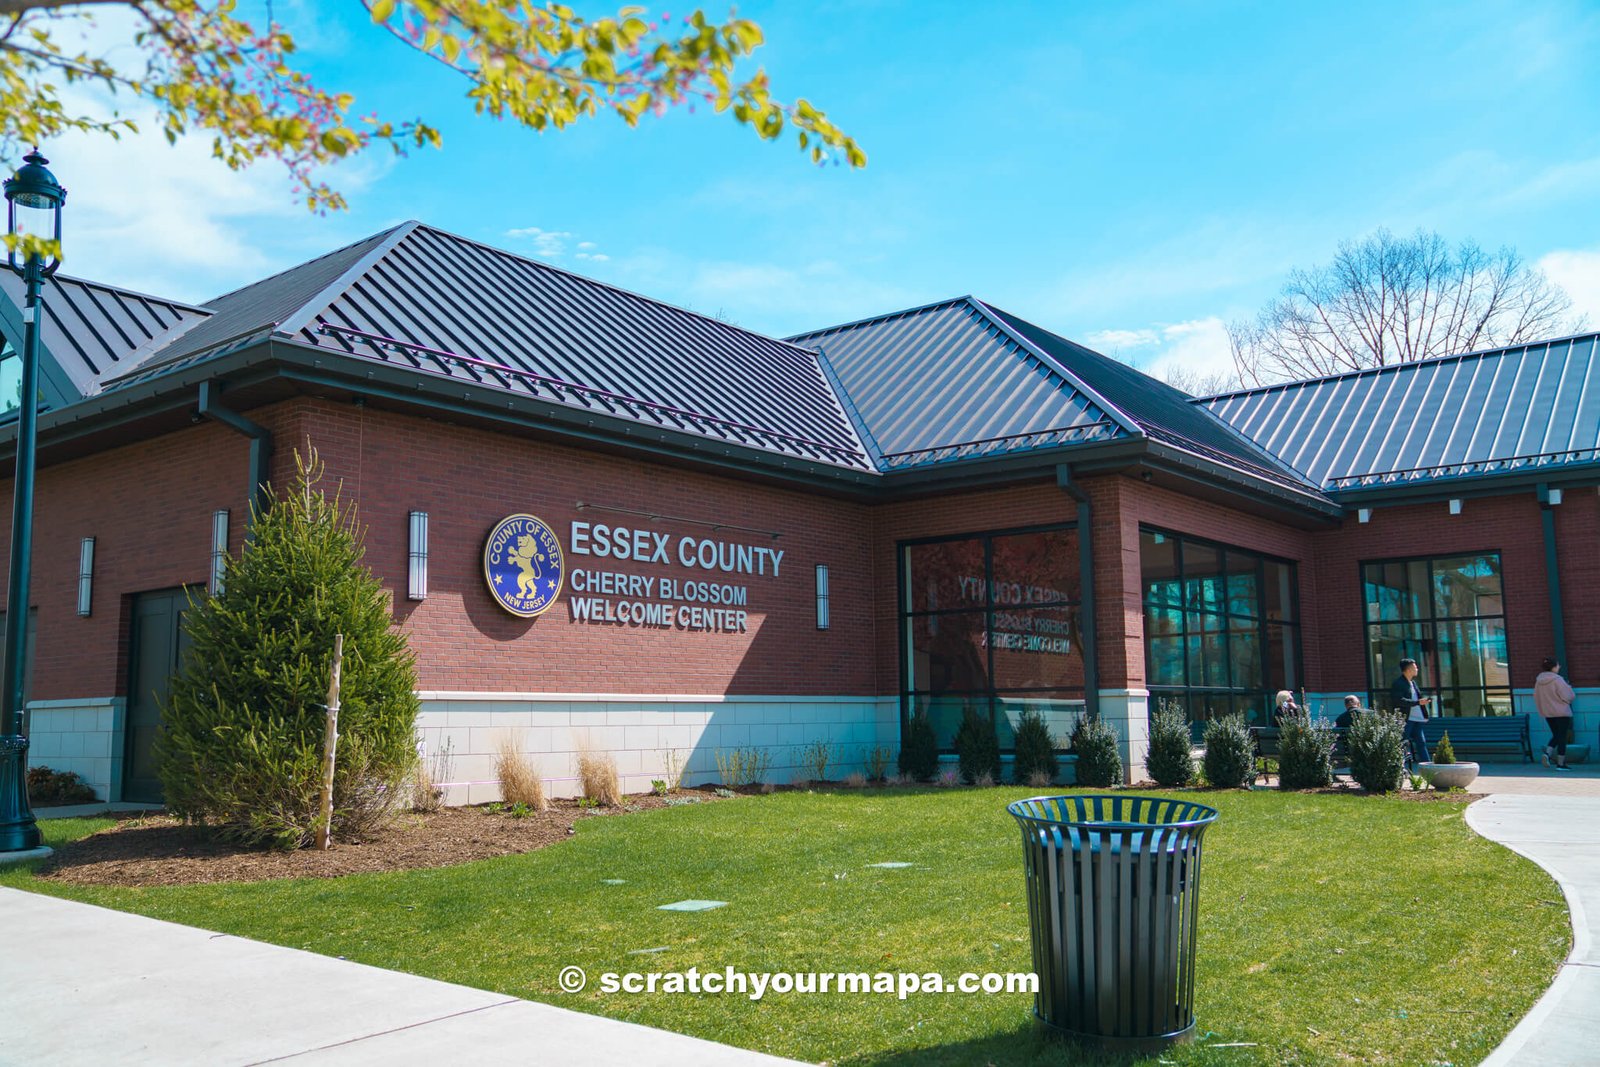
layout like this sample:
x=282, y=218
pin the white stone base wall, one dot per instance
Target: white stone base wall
x=639, y=731
x=1128, y=713
x=83, y=736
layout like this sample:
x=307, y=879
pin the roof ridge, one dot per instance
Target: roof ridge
x=884, y=317
x=1000, y=319
x=1388, y=368
x=586, y=279
x=292, y=324
x=306, y=263
x=852, y=414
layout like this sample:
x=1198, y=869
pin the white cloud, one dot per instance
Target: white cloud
x=1578, y=272
x=1113, y=342
x=547, y=244
x=1192, y=354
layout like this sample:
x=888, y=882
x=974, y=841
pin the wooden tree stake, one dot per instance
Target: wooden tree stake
x=330, y=742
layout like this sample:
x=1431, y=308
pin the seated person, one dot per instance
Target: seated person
x=1352, y=708
x=1283, y=705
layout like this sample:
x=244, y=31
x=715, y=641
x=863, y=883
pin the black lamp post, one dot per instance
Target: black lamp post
x=33, y=206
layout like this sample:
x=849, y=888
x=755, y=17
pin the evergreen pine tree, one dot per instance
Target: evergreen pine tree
x=977, y=746
x=919, y=749
x=1035, y=750
x=242, y=730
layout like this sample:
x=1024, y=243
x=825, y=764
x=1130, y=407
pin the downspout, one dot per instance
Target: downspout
x=260, y=442
x=1552, y=577
x=1091, y=661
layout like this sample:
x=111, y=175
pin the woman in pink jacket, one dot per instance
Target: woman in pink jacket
x=1553, y=697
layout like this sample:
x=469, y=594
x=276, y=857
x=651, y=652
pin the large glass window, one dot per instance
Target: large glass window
x=1447, y=613
x=993, y=622
x=1221, y=626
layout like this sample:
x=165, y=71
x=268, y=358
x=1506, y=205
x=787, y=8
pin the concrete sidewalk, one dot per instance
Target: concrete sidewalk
x=87, y=985
x=1561, y=833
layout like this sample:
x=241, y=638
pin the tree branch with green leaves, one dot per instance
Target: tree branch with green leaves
x=207, y=70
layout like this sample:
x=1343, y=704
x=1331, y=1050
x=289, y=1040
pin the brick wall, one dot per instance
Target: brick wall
x=468, y=479
x=148, y=506
x=1509, y=524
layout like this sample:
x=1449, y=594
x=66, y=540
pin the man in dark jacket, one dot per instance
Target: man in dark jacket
x=1407, y=699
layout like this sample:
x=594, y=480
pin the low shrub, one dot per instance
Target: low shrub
x=1230, y=759
x=815, y=759
x=1099, y=763
x=673, y=764
x=1444, y=751
x=520, y=782
x=743, y=766
x=877, y=760
x=429, y=776
x=48, y=786
x=1036, y=750
x=977, y=747
x=1170, y=762
x=598, y=773
x=1377, y=751
x=919, y=749
x=1305, y=753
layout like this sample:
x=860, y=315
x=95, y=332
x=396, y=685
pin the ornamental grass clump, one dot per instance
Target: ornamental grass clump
x=1035, y=751
x=1230, y=759
x=919, y=748
x=1170, y=761
x=977, y=747
x=1305, y=753
x=597, y=771
x=520, y=781
x=1377, y=751
x=1099, y=763
x=240, y=747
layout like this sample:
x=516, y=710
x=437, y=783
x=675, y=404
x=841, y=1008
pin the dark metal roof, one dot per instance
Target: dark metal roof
x=1530, y=407
x=95, y=331
x=960, y=380
x=947, y=382
x=439, y=304
x=265, y=304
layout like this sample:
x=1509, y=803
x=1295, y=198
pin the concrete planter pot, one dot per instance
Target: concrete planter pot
x=1448, y=775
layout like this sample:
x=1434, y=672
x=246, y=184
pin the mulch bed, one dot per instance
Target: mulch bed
x=157, y=849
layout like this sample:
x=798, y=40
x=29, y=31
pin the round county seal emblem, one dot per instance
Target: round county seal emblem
x=522, y=565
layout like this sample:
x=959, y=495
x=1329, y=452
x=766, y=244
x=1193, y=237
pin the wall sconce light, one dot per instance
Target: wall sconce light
x=417, y=574
x=822, y=597
x=1455, y=506
x=219, y=549
x=85, y=576
x=1364, y=515
x=1554, y=497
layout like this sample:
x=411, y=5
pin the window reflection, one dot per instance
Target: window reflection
x=992, y=622
x=1220, y=630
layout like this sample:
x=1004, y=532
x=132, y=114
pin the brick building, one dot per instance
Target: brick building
x=762, y=542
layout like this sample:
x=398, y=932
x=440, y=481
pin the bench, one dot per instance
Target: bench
x=1488, y=732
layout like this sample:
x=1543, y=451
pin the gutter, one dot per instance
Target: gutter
x=260, y=442
x=1091, y=660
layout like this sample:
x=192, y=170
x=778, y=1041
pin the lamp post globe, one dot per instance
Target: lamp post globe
x=33, y=210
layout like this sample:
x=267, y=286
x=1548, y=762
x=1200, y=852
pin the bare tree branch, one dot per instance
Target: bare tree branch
x=1385, y=300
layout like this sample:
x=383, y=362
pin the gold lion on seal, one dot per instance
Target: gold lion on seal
x=527, y=559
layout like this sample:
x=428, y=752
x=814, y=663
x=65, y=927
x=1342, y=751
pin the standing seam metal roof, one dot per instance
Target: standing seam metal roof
x=440, y=304
x=97, y=331
x=1523, y=407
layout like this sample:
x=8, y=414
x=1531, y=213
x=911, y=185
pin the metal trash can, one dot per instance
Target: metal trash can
x=1113, y=892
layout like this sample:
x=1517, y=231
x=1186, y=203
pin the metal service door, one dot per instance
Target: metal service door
x=157, y=642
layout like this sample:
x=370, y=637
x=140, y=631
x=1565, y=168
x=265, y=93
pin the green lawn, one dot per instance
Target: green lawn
x=1332, y=928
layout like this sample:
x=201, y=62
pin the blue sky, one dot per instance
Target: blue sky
x=1132, y=176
